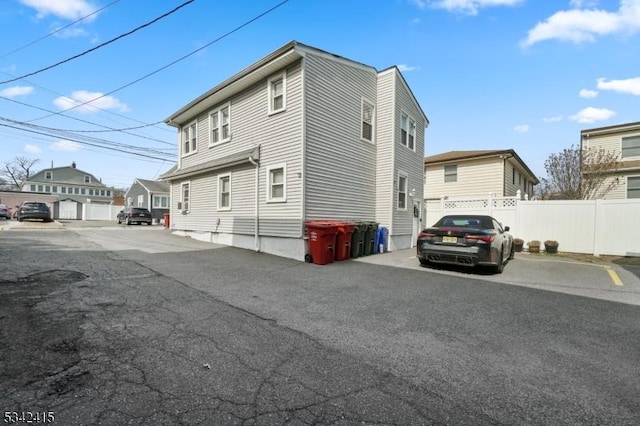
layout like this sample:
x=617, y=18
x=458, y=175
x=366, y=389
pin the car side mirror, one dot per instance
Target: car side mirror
x=506, y=229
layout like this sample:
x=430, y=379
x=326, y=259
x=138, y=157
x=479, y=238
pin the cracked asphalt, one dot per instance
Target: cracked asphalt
x=135, y=326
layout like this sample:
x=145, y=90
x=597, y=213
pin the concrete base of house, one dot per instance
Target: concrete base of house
x=292, y=248
x=400, y=242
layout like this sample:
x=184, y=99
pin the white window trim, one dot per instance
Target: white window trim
x=444, y=174
x=188, y=128
x=626, y=192
x=218, y=112
x=220, y=207
x=155, y=197
x=87, y=179
x=282, y=76
x=373, y=120
x=186, y=208
x=406, y=191
x=282, y=199
x=48, y=175
x=410, y=120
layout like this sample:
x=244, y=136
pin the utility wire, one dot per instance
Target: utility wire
x=102, y=44
x=58, y=30
x=85, y=121
x=66, y=135
x=171, y=63
x=163, y=158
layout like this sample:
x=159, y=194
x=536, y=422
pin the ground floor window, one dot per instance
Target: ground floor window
x=224, y=192
x=633, y=187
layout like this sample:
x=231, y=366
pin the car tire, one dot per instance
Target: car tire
x=128, y=221
x=512, y=253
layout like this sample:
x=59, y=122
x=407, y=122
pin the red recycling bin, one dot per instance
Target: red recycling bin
x=166, y=220
x=343, y=240
x=322, y=241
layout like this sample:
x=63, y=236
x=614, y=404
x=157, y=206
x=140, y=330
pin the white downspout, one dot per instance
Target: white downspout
x=257, y=210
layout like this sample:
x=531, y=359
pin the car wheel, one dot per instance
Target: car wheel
x=500, y=266
x=128, y=221
x=512, y=253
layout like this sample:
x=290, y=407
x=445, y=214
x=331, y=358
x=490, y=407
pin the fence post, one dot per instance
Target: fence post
x=596, y=226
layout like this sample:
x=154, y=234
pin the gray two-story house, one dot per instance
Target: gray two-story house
x=73, y=187
x=301, y=134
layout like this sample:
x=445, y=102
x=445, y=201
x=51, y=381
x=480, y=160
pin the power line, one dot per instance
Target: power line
x=100, y=45
x=85, y=121
x=173, y=62
x=90, y=144
x=58, y=30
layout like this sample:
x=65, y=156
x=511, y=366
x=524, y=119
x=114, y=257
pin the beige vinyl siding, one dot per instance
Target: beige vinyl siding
x=406, y=159
x=610, y=143
x=475, y=177
x=280, y=139
x=340, y=167
x=385, y=121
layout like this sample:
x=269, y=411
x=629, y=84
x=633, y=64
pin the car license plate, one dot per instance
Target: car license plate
x=446, y=239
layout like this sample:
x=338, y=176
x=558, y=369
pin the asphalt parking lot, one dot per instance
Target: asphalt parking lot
x=132, y=325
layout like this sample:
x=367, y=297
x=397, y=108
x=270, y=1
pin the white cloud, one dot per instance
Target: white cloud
x=32, y=149
x=554, y=119
x=72, y=32
x=583, y=25
x=629, y=86
x=12, y=92
x=81, y=96
x=65, y=145
x=522, y=128
x=420, y=4
x=585, y=93
x=468, y=7
x=591, y=115
x=407, y=68
x=66, y=9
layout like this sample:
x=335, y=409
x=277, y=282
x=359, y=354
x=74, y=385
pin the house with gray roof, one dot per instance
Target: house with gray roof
x=150, y=194
x=74, y=188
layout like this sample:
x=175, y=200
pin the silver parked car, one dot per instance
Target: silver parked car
x=468, y=240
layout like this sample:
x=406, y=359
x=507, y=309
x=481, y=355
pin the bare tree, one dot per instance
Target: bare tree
x=16, y=172
x=579, y=174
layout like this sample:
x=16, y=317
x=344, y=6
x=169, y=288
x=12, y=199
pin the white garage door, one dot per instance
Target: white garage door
x=68, y=210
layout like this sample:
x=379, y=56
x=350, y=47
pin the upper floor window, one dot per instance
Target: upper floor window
x=189, y=139
x=451, y=173
x=224, y=192
x=47, y=188
x=33, y=187
x=48, y=175
x=633, y=187
x=87, y=179
x=367, y=120
x=220, y=124
x=407, y=131
x=402, y=191
x=83, y=191
x=631, y=146
x=277, y=181
x=277, y=93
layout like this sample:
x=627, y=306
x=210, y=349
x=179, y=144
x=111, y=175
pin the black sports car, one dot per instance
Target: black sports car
x=468, y=240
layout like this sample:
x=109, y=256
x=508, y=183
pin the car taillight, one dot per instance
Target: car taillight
x=426, y=236
x=481, y=239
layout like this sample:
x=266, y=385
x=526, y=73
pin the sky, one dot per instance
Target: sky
x=92, y=81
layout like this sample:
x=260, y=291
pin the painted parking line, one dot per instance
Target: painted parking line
x=614, y=276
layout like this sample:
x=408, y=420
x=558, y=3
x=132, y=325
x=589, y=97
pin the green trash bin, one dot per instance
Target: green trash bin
x=369, y=237
x=357, y=239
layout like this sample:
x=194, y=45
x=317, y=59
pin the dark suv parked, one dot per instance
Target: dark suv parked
x=34, y=210
x=131, y=215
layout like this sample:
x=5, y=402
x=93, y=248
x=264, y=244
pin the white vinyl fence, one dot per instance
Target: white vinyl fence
x=93, y=211
x=598, y=227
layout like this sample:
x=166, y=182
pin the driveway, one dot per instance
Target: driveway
x=606, y=281
x=132, y=325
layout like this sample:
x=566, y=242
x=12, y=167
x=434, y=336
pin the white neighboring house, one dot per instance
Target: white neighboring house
x=623, y=140
x=75, y=188
x=301, y=134
x=479, y=172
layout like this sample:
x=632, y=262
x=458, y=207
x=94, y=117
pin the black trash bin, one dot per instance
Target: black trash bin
x=371, y=228
x=357, y=239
